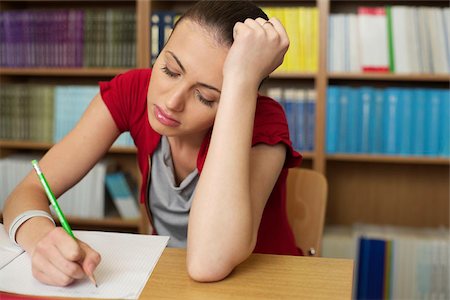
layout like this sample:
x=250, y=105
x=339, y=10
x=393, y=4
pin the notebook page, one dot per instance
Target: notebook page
x=8, y=251
x=127, y=262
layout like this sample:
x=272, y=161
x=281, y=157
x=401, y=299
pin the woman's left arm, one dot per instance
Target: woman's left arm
x=237, y=179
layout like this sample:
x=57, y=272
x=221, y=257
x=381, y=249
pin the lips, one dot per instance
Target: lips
x=163, y=118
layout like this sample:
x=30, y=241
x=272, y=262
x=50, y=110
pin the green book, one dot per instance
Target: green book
x=390, y=40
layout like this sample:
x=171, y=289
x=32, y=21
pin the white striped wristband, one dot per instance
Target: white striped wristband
x=20, y=219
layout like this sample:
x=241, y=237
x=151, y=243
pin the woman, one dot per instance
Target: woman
x=198, y=124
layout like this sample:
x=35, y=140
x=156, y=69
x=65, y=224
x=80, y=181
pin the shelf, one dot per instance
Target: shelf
x=108, y=222
x=390, y=77
x=29, y=145
x=82, y=72
x=293, y=75
x=389, y=159
x=306, y=155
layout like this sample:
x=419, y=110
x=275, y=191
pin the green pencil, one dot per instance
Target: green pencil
x=59, y=213
x=52, y=199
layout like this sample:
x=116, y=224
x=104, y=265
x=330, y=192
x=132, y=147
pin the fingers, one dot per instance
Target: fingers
x=91, y=260
x=59, y=260
x=48, y=273
x=280, y=29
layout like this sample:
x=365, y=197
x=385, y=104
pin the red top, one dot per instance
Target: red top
x=126, y=98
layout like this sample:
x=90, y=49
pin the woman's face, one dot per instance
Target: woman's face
x=186, y=82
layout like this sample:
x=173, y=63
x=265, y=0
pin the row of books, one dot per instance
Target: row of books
x=300, y=109
x=45, y=113
x=68, y=38
x=301, y=24
x=87, y=199
x=396, y=39
x=393, y=262
x=302, y=27
x=161, y=26
x=394, y=121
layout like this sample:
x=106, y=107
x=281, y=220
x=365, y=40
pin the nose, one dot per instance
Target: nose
x=176, y=100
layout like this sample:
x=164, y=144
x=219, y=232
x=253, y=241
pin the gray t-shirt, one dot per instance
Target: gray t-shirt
x=170, y=204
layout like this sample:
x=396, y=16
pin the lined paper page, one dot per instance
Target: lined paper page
x=8, y=251
x=127, y=262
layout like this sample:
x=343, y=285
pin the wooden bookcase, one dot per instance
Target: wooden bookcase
x=409, y=191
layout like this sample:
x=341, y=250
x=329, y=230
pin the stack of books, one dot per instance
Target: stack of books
x=300, y=109
x=394, y=121
x=395, y=39
x=301, y=24
x=68, y=38
x=393, y=262
x=45, y=113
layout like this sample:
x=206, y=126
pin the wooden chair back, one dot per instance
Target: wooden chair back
x=306, y=204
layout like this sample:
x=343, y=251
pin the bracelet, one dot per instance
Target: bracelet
x=20, y=219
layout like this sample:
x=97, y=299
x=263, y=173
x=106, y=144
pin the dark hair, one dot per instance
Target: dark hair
x=221, y=16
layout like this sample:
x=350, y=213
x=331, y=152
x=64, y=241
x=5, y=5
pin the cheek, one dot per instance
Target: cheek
x=202, y=118
x=156, y=88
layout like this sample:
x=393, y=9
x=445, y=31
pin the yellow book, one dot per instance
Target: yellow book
x=278, y=12
x=291, y=15
x=309, y=40
x=315, y=40
x=302, y=39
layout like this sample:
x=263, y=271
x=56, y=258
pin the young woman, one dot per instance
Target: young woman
x=212, y=152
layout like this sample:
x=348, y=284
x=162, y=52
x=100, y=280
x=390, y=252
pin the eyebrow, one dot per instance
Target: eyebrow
x=184, y=70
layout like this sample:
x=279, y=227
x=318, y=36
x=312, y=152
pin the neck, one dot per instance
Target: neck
x=186, y=142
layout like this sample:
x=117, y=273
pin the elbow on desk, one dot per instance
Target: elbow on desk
x=205, y=268
x=202, y=271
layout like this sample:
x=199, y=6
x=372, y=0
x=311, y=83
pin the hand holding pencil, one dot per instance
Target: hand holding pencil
x=59, y=258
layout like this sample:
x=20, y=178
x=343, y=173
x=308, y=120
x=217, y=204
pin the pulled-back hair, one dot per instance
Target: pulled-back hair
x=221, y=16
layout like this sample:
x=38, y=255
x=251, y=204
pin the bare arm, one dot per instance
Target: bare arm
x=237, y=179
x=64, y=165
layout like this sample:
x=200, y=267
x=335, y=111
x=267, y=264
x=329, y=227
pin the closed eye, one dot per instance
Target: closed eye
x=169, y=73
x=203, y=99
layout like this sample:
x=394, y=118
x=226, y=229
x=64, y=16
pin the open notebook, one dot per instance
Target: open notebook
x=127, y=262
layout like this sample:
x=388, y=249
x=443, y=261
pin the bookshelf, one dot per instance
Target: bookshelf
x=379, y=189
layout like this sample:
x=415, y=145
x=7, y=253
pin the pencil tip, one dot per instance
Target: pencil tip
x=92, y=278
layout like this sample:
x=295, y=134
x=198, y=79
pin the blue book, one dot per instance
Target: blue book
x=289, y=108
x=376, y=122
x=353, y=135
x=432, y=122
x=122, y=196
x=332, y=119
x=371, y=264
x=444, y=121
x=154, y=36
x=310, y=119
x=343, y=122
x=300, y=118
x=168, y=23
x=418, y=126
x=405, y=136
x=391, y=120
x=377, y=258
x=362, y=276
x=366, y=95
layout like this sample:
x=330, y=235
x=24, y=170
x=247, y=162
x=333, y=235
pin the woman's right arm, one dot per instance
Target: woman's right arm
x=63, y=165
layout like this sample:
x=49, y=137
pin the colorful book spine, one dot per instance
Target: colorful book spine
x=405, y=135
x=444, y=124
x=373, y=39
x=332, y=119
x=391, y=120
x=352, y=139
x=365, y=97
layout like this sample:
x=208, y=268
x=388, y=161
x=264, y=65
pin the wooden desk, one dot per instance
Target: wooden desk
x=259, y=277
